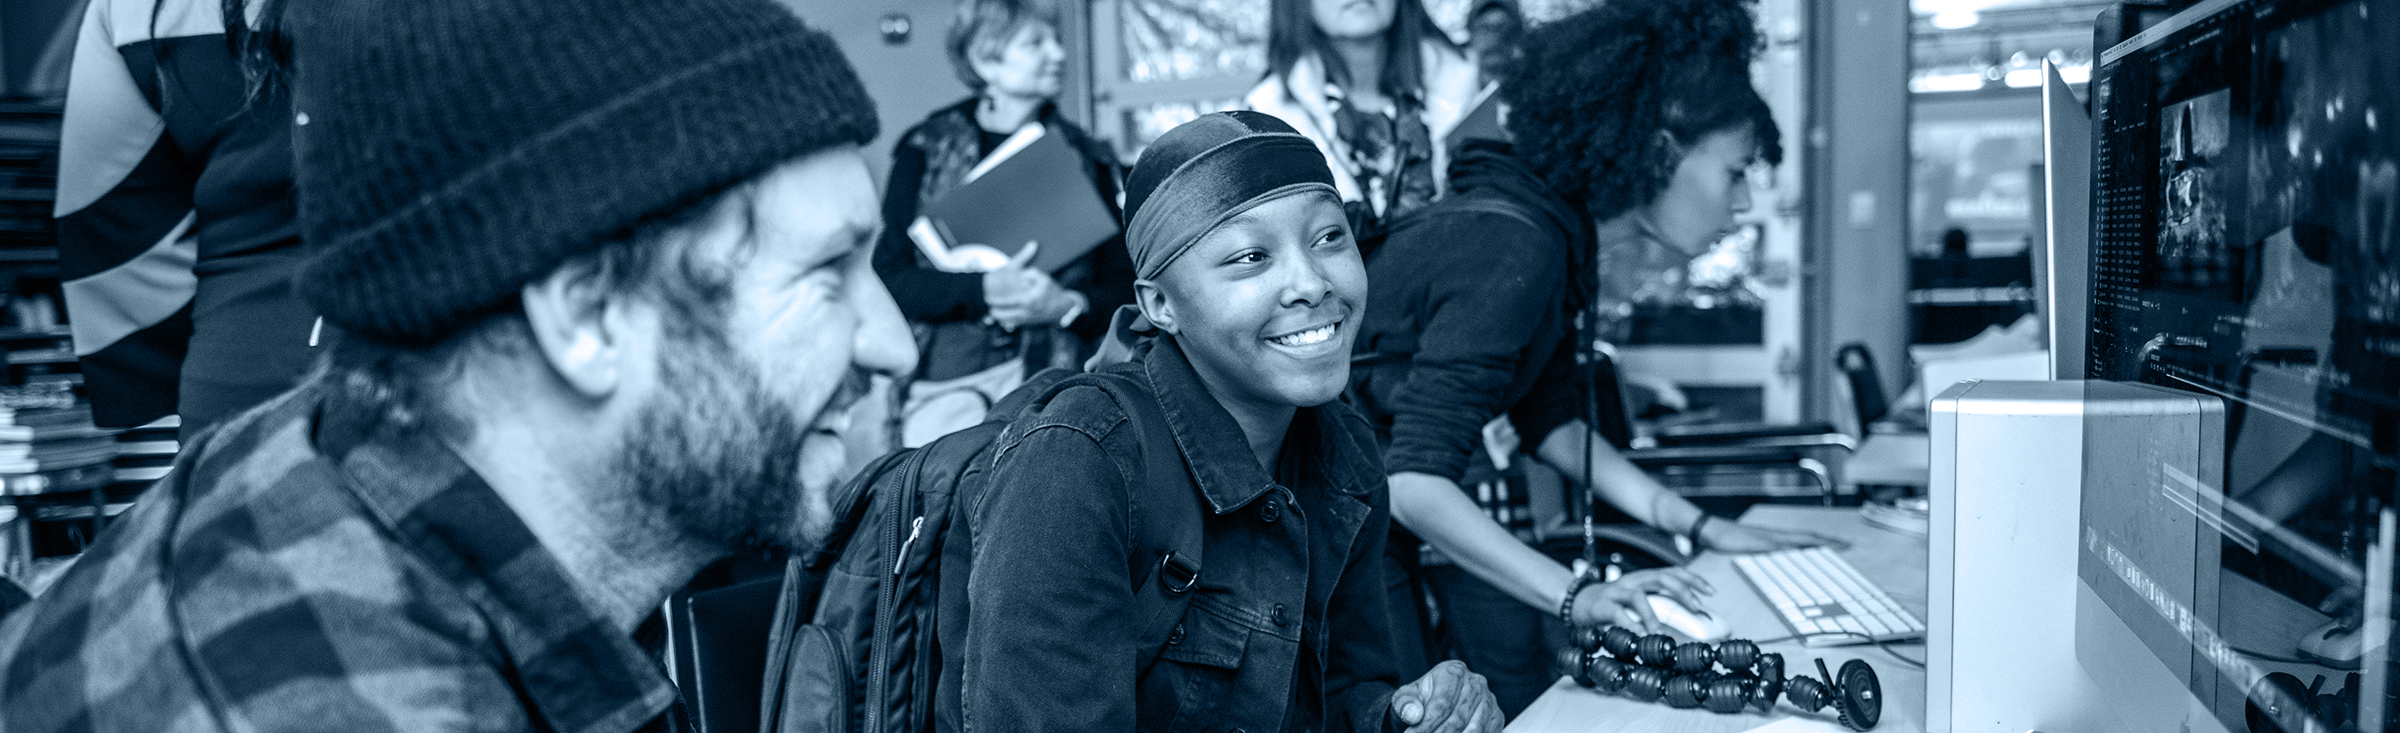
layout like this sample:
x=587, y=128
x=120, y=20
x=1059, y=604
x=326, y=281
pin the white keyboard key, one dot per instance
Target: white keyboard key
x=1875, y=625
x=1821, y=595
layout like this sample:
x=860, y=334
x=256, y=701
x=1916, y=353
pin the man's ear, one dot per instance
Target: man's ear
x=1155, y=305
x=580, y=330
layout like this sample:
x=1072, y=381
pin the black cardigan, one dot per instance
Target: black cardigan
x=1472, y=315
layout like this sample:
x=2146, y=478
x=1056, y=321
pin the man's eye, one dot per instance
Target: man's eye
x=1249, y=258
x=1332, y=237
x=831, y=274
x=830, y=280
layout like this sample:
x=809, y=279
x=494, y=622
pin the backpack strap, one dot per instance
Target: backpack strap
x=1500, y=205
x=1168, y=515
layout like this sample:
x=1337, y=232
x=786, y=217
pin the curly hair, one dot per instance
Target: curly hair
x=1589, y=94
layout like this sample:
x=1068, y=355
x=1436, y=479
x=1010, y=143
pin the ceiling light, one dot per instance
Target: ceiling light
x=1931, y=83
x=1951, y=20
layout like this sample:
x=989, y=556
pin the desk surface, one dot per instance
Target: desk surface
x=1893, y=560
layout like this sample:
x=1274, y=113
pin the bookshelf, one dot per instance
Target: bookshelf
x=61, y=479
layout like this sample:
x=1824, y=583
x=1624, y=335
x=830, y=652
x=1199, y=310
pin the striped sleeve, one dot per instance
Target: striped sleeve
x=124, y=209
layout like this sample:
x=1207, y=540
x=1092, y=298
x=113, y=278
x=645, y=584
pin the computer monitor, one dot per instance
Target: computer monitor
x=2245, y=252
x=2061, y=270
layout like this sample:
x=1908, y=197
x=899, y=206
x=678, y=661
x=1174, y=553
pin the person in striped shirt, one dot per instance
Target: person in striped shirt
x=177, y=228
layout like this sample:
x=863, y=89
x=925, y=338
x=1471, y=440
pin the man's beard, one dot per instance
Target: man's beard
x=719, y=454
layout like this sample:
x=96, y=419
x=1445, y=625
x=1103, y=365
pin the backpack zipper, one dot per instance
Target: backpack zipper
x=878, y=673
x=900, y=559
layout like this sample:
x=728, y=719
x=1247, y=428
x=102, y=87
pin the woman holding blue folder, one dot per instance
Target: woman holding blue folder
x=981, y=333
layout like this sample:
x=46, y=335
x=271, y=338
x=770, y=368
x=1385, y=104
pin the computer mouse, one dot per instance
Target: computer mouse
x=1693, y=625
x=2333, y=645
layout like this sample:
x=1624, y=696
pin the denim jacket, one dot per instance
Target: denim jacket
x=1287, y=629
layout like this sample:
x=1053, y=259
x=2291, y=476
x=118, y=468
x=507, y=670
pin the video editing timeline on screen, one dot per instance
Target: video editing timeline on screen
x=2247, y=250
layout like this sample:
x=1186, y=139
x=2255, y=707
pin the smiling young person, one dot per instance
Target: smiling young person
x=1634, y=127
x=1253, y=289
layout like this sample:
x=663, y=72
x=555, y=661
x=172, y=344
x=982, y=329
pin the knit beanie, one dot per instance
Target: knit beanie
x=449, y=151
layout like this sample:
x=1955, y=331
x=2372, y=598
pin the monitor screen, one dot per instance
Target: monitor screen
x=2246, y=253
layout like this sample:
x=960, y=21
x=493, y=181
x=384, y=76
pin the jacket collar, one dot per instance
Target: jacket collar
x=1219, y=455
x=573, y=665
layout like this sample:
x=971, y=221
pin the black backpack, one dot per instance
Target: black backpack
x=868, y=634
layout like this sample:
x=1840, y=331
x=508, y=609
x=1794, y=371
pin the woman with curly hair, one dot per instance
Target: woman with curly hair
x=1634, y=127
x=1375, y=85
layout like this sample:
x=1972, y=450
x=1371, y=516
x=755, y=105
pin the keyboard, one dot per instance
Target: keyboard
x=1820, y=597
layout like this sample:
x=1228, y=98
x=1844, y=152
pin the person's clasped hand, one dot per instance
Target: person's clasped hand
x=1610, y=602
x=1448, y=699
x=1016, y=294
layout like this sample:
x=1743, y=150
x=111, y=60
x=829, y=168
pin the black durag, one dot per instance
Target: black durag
x=1192, y=180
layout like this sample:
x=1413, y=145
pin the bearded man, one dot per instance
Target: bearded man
x=604, y=268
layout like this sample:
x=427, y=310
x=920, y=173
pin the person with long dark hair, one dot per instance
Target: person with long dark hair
x=1634, y=125
x=177, y=227
x=1376, y=86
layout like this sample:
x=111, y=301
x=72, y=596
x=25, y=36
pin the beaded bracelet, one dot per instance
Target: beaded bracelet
x=1566, y=608
x=1694, y=532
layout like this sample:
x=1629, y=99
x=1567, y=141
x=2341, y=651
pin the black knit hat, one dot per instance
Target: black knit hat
x=452, y=151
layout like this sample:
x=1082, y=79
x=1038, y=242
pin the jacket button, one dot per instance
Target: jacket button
x=1175, y=636
x=1277, y=615
x=1271, y=511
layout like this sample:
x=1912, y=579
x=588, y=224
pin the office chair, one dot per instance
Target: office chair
x=12, y=597
x=1868, y=401
x=1739, y=448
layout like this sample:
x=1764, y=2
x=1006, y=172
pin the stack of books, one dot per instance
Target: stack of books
x=43, y=442
x=29, y=133
x=53, y=466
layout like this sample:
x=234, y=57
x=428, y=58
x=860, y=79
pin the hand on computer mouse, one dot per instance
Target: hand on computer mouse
x=1724, y=536
x=1610, y=602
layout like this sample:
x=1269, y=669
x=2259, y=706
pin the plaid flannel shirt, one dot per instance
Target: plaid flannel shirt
x=296, y=573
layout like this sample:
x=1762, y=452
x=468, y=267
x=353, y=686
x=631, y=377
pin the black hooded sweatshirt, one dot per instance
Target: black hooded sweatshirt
x=1471, y=314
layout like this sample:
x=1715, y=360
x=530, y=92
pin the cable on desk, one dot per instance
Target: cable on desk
x=2265, y=657
x=1879, y=644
